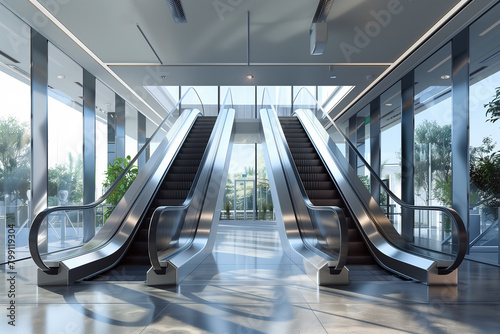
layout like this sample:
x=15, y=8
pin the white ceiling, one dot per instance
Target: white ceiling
x=211, y=48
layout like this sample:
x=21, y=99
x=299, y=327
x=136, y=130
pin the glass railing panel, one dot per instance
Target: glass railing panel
x=67, y=226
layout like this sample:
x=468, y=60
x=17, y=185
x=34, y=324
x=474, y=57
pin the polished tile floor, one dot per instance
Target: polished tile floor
x=248, y=285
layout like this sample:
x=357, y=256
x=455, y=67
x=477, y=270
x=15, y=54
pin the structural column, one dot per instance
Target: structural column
x=120, y=126
x=141, y=138
x=375, y=147
x=460, y=128
x=39, y=131
x=353, y=138
x=89, y=159
x=407, y=152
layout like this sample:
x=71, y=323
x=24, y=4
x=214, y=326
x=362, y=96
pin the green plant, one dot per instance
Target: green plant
x=485, y=174
x=366, y=181
x=433, y=154
x=14, y=158
x=68, y=177
x=493, y=106
x=227, y=208
x=112, y=175
x=263, y=209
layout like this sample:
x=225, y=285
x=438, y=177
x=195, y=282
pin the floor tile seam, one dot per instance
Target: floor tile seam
x=313, y=312
x=154, y=318
x=366, y=323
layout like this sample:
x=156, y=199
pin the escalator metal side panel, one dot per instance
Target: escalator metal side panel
x=314, y=264
x=110, y=245
x=366, y=212
x=204, y=208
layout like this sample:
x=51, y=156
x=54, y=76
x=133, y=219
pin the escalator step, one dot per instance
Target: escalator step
x=171, y=177
x=183, y=169
x=302, y=150
x=169, y=202
x=320, y=186
x=186, y=163
x=171, y=185
x=173, y=194
x=360, y=259
x=326, y=202
x=302, y=156
x=135, y=260
x=316, y=162
x=189, y=156
x=357, y=247
x=324, y=194
x=311, y=169
x=354, y=235
x=142, y=233
x=139, y=247
x=317, y=177
x=192, y=150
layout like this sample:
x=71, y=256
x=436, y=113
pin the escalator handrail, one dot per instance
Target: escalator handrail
x=38, y=220
x=159, y=211
x=457, y=220
x=343, y=229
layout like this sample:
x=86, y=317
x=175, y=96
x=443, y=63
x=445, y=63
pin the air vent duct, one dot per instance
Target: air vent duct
x=177, y=11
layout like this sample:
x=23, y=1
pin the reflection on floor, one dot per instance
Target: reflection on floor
x=249, y=286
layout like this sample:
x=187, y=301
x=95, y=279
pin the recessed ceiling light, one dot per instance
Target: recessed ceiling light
x=61, y=76
x=333, y=77
x=388, y=104
x=250, y=76
x=107, y=104
x=445, y=76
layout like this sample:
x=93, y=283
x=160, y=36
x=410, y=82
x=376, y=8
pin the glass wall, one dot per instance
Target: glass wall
x=105, y=104
x=208, y=96
x=65, y=138
x=265, y=206
x=243, y=185
x=432, y=162
x=390, y=150
x=65, y=129
x=131, y=130
x=240, y=184
x=330, y=96
x=15, y=133
x=485, y=137
x=281, y=97
x=65, y=148
x=243, y=100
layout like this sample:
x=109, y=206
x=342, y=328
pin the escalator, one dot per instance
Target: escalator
x=183, y=161
x=319, y=186
x=309, y=168
x=172, y=191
